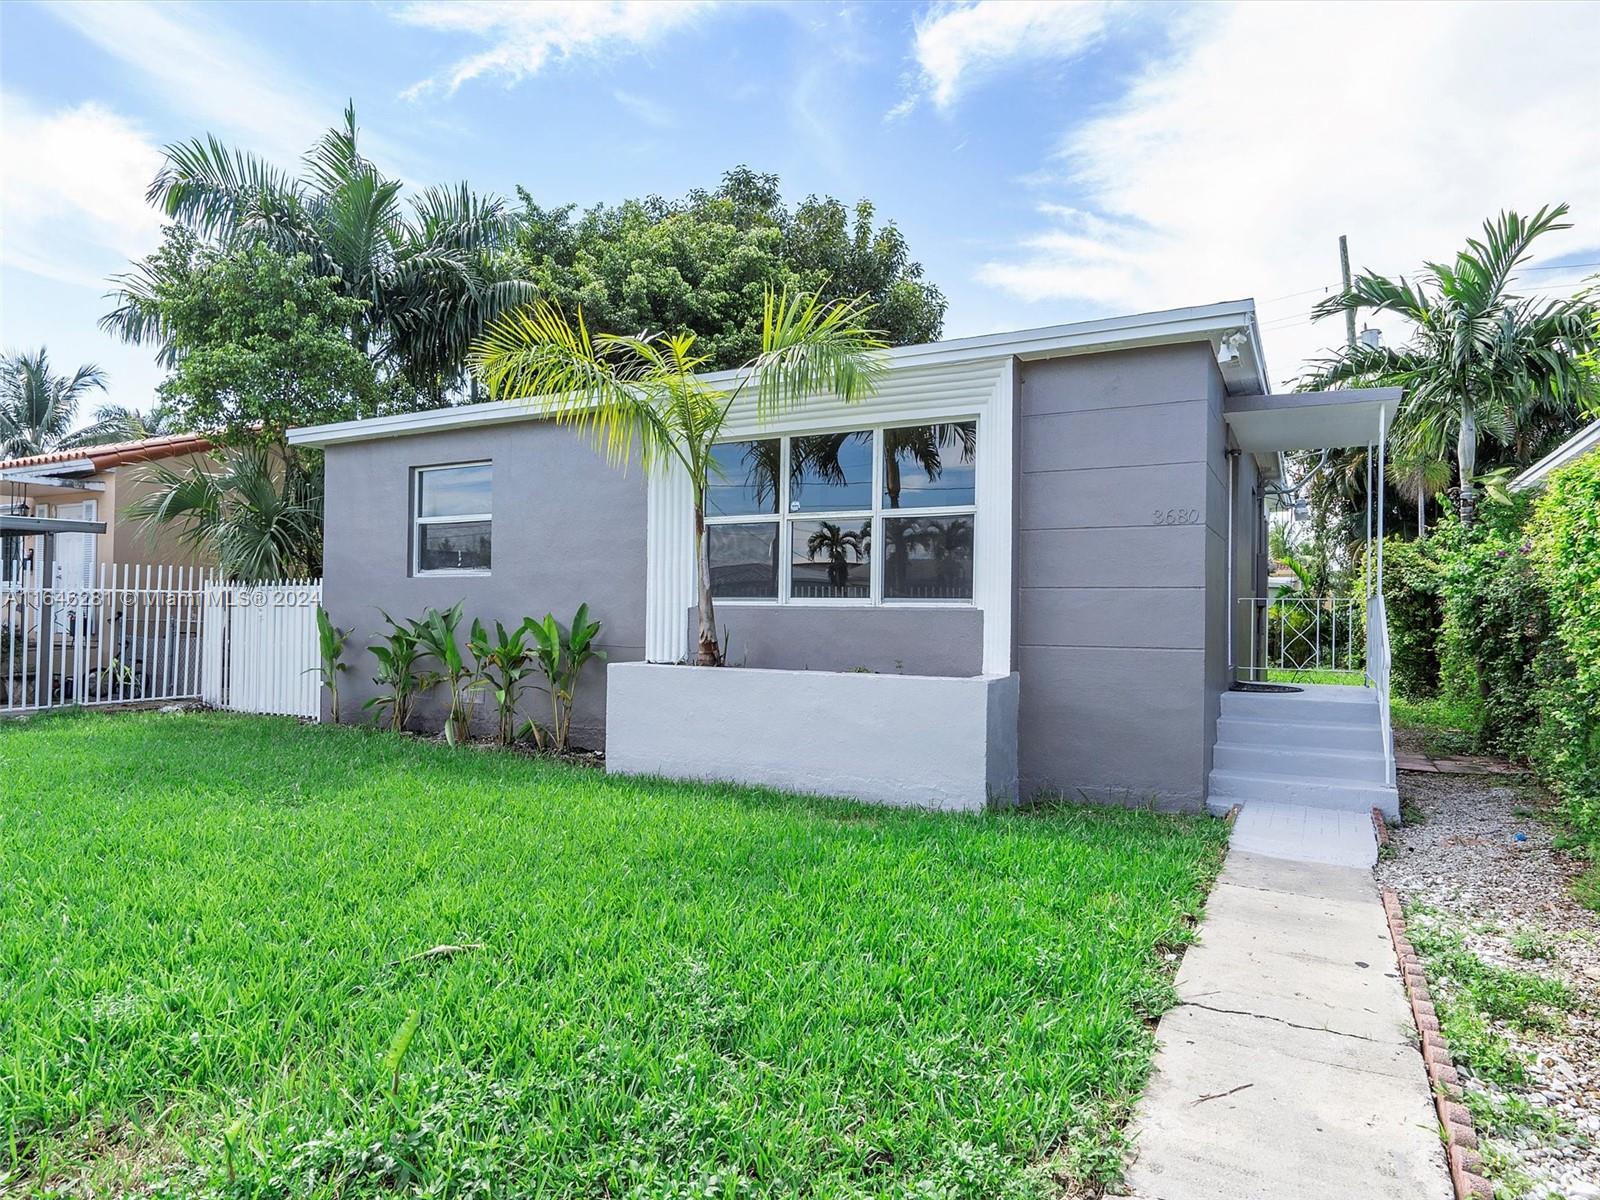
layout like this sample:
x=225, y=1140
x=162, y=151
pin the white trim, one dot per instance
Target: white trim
x=1209, y=322
x=1583, y=442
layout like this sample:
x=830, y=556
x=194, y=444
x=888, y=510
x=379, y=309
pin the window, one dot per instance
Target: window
x=453, y=519
x=864, y=516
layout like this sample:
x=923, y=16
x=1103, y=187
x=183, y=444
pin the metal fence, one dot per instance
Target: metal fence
x=1299, y=635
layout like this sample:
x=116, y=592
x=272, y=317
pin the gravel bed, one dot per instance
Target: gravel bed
x=1463, y=859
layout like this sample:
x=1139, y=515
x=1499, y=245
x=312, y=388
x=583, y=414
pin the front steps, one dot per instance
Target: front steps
x=1321, y=747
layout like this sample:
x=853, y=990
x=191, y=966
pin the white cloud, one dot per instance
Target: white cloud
x=1231, y=169
x=958, y=42
x=523, y=38
x=72, y=204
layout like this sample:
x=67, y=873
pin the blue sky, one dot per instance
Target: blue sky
x=1048, y=162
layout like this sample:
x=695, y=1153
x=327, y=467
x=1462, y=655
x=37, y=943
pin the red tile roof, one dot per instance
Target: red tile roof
x=115, y=454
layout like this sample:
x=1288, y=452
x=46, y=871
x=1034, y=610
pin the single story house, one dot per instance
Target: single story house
x=1585, y=441
x=1031, y=562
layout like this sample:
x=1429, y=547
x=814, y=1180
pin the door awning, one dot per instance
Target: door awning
x=15, y=524
x=1310, y=420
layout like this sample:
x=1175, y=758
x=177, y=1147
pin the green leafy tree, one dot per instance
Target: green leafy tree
x=644, y=394
x=703, y=264
x=37, y=406
x=1484, y=364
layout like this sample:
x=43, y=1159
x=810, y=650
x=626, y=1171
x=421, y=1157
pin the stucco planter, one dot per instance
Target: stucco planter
x=911, y=740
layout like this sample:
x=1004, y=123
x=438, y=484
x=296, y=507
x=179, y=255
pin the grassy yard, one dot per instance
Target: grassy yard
x=213, y=931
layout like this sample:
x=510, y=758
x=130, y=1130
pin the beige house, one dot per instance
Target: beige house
x=66, y=513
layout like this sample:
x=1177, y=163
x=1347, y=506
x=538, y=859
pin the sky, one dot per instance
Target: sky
x=1048, y=162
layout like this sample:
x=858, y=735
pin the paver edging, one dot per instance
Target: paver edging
x=1461, y=1140
x=1380, y=826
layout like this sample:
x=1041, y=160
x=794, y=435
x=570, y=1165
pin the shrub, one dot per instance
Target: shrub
x=502, y=665
x=330, y=648
x=436, y=638
x=1413, y=597
x=561, y=652
x=398, y=655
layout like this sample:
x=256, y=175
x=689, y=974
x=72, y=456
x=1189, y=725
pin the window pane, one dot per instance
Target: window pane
x=927, y=558
x=744, y=560
x=454, y=492
x=926, y=466
x=453, y=546
x=832, y=560
x=831, y=472
x=748, y=480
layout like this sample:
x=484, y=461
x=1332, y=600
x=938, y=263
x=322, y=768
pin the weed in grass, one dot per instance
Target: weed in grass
x=1533, y=942
x=1508, y=1115
x=672, y=989
x=1586, y=888
x=1412, y=813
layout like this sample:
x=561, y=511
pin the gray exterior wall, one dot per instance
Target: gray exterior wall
x=568, y=529
x=1120, y=621
x=895, y=640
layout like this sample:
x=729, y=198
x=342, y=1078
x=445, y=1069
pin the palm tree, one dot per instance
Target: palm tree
x=643, y=394
x=841, y=546
x=1482, y=360
x=37, y=406
x=429, y=275
x=119, y=423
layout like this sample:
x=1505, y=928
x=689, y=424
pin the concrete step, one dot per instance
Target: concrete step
x=1328, y=766
x=1334, y=705
x=1230, y=787
x=1317, y=735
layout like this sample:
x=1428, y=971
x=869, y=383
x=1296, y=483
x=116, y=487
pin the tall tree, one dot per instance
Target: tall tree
x=703, y=263
x=424, y=270
x=37, y=406
x=643, y=394
x=1483, y=364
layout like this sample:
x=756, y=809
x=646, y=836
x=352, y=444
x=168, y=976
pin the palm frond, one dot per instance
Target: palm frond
x=811, y=348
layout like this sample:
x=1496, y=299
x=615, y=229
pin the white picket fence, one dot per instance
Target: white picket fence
x=147, y=634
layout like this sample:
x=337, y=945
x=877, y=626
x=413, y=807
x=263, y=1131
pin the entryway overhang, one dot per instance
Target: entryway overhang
x=1311, y=420
x=29, y=525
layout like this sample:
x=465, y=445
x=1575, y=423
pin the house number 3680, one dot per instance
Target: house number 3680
x=1177, y=516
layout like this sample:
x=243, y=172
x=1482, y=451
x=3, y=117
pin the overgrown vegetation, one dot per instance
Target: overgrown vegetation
x=212, y=944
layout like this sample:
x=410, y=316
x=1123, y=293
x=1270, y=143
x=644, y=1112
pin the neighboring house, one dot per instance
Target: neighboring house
x=1014, y=569
x=65, y=513
x=1585, y=441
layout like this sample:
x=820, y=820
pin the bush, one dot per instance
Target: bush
x=1412, y=595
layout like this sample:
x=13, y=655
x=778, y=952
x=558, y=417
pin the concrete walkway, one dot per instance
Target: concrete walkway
x=1290, y=1068
x=1334, y=836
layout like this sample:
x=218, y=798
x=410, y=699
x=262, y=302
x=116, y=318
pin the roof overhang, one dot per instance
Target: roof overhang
x=1310, y=420
x=1229, y=327
x=1585, y=441
x=54, y=477
x=15, y=524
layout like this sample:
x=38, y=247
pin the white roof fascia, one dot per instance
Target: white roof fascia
x=1583, y=442
x=1204, y=322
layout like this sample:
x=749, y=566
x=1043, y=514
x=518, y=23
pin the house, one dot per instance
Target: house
x=1585, y=441
x=1032, y=561
x=65, y=513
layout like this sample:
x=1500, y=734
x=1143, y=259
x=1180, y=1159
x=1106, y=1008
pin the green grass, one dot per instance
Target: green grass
x=1448, y=725
x=209, y=939
x=1315, y=675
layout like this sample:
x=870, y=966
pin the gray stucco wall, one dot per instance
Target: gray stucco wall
x=896, y=640
x=568, y=529
x=1117, y=607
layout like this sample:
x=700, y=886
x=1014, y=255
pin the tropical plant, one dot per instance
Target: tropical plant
x=436, y=638
x=37, y=406
x=398, y=656
x=330, y=649
x=841, y=547
x=255, y=508
x=120, y=423
x=561, y=652
x=1483, y=362
x=425, y=273
x=501, y=667
x=643, y=393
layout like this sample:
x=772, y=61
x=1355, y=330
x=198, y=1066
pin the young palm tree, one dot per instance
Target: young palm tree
x=428, y=275
x=37, y=406
x=1482, y=360
x=643, y=394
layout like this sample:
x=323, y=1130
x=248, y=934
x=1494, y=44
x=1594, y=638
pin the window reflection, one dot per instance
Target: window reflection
x=831, y=560
x=744, y=478
x=927, y=558
x=744, y=560
x=453, y=546
x=831, y=472
x=929, y=466
x=454, y=491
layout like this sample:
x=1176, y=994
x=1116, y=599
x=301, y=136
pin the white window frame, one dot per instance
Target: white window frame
x=418, y=521
x=875, y=515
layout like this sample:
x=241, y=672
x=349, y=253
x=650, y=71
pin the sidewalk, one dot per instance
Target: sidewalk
x=1290, y=1067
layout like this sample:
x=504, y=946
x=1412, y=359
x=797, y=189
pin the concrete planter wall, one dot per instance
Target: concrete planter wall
x=913, y=740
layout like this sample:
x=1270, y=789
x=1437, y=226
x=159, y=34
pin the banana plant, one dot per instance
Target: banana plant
x=561, y=652
x=330, y=646
x=398, y=655
x=436, y=637
x=501, y=667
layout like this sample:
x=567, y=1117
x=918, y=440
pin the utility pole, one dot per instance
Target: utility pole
x=1344, y=272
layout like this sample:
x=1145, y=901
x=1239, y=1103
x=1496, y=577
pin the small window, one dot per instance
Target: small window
x=927, y=558
x=744, y=478
x=454, y=519
x=930, y=466
x=831, y=472
x=832, y=560
x=744, y=560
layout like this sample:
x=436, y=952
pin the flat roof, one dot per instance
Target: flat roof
x=1230, y=327
x=1333, y=420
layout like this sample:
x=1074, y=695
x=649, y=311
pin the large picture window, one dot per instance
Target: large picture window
x=862, y=516
x=452, y=519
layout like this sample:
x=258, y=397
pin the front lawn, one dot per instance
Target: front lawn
x=213, y=928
